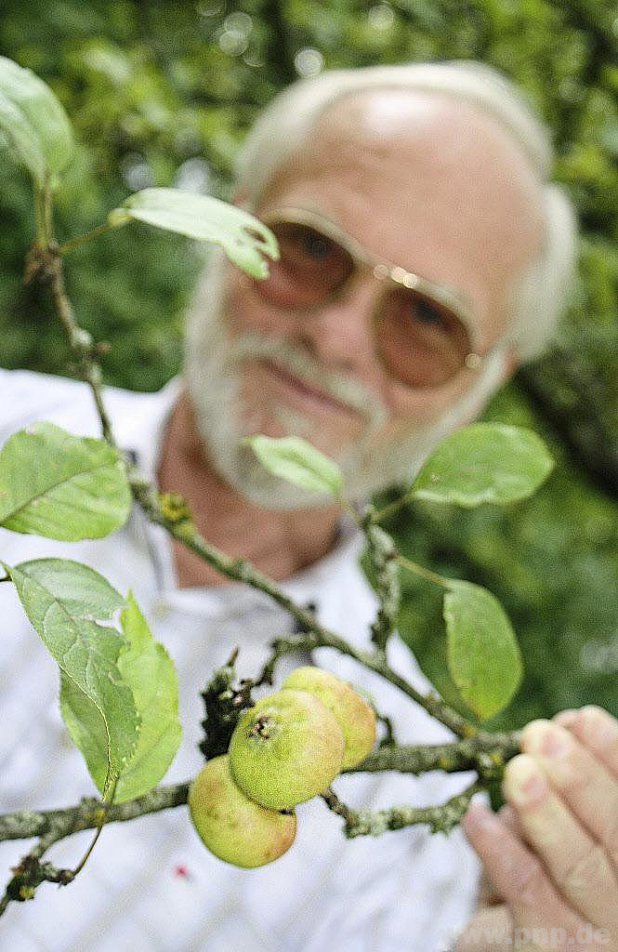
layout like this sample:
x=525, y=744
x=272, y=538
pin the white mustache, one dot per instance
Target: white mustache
x=352, y=393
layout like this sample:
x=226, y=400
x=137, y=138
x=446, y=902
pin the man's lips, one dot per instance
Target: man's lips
x=306, y=391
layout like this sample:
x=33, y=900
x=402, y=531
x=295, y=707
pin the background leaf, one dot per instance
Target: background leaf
x=64, y=601
x=298, y=462
x=245, y=240
x=483, y=655
x=485, y=462
x=43, y=113
x=61, y=486
x=149, y=671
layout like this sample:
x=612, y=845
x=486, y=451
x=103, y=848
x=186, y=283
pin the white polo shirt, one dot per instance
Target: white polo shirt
x=150, y=885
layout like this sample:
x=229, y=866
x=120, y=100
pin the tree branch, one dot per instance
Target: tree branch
x=58, y=824
x=441, y=818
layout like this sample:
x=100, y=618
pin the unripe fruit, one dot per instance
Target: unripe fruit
x=233, y=827
x=355, y=716
x=286, y=749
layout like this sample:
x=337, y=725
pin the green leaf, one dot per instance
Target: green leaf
x=38, y=126
x=245, y=240
x=298, y=462
x=483, y=655
x=64, y=601
x=22, y=139
x=148, y=669
x=61, y=486
x=88, y=727
x=485, y=462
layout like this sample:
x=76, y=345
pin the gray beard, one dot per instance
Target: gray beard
x=213, y=372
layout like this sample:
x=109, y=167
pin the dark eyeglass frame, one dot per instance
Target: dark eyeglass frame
x=384, y=271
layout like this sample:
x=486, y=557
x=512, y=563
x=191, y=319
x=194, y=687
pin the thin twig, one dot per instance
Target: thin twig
x=383, y=559
x=441, y=818
x=240, y=570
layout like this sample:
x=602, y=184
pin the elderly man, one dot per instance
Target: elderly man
x=424, y=254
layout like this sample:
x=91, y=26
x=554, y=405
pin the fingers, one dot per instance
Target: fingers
x=487, y=894
x=585, y=784
x=577, y=863
x=552, y=855
x=510, y=819
x=516, y=874
x=597, y=730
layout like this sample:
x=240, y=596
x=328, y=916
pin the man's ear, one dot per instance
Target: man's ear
x=510, y=363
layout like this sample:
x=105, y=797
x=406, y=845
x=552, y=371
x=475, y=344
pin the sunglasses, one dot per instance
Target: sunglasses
x=423, y=330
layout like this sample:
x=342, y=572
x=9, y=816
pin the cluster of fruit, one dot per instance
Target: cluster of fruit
x=285, y=750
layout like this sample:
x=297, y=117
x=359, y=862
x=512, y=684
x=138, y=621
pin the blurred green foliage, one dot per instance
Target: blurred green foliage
x=161, y=92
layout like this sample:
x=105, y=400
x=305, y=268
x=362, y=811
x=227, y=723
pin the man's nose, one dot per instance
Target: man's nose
x=341, y=331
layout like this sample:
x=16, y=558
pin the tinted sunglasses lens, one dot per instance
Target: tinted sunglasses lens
x=422, y=343
x=311, y=267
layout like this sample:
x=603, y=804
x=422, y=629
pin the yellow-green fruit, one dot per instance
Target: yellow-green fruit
x=355, y=717
x=286, y=749
x=233, y=827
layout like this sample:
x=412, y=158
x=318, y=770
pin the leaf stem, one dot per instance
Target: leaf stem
x=393, y=507
x=68, y=246
x=39, y=216
x=422, y=572
x=107, y=800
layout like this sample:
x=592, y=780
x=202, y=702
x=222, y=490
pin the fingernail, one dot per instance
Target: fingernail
x=554, y=743
x=478, y=817
x=524, y=783
x=546, y=740
x=566, y=718
x=600, y=726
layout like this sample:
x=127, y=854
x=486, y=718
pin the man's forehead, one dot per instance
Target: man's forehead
x=396, y=121
x=380, y=114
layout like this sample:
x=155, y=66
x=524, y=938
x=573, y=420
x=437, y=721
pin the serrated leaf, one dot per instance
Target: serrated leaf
x=245, y=240
x=65, y=601
x=148, y=669
x=51, y=136
x=485, y=462
x=61, y=486
x=484, y=659
x=298, y=462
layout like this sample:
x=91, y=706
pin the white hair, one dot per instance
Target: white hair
x=286, y=126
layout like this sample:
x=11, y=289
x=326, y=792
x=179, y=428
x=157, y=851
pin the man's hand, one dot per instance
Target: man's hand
x=552, y=856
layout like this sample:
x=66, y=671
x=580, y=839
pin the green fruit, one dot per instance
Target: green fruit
x=286, y=749
x=355, y=717
x=234, y=828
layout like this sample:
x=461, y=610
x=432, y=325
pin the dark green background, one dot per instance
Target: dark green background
x=161, y=93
